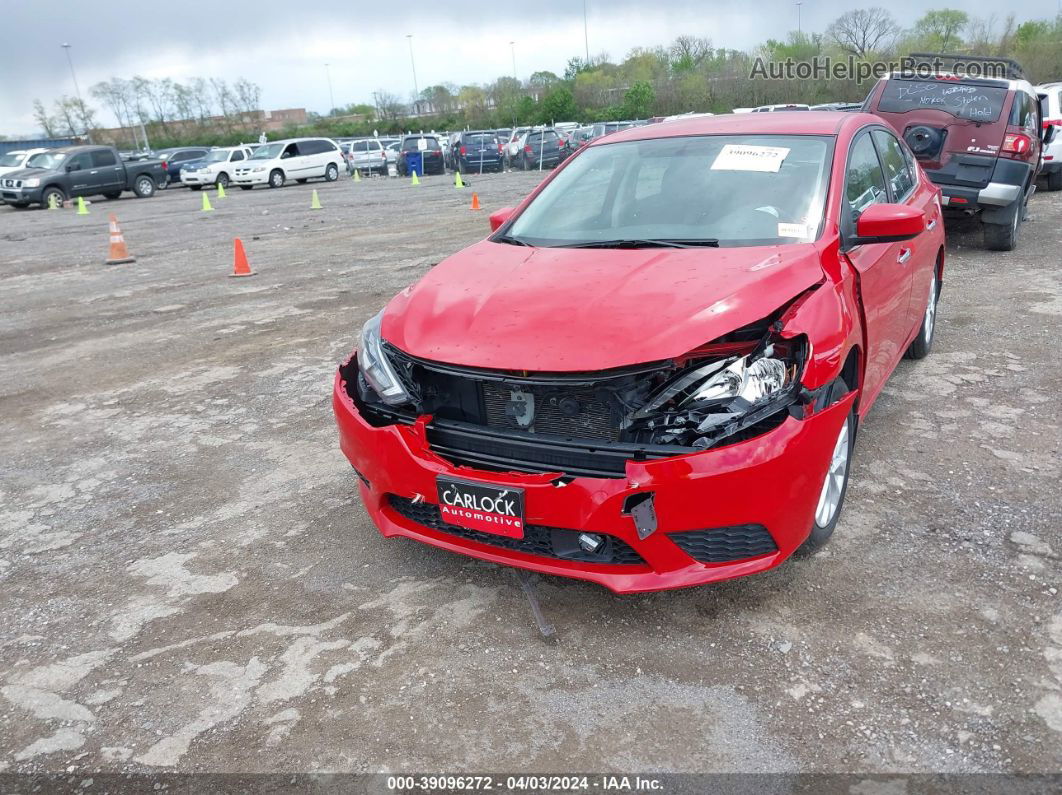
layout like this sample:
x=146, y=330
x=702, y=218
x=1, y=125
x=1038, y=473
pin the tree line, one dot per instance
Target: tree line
x=689, y=74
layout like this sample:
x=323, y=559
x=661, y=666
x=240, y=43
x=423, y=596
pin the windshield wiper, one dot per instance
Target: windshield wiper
x=512, y=241
x=706, y=242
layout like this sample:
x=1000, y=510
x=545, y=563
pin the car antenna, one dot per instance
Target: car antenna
x=548, y=631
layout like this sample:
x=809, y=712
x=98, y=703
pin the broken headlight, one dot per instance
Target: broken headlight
x=707, y=402
x=376, y=369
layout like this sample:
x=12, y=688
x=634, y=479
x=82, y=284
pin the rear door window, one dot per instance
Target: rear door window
x=962, y=100
x=864, y=181
x=897, y=171
x=103, y=157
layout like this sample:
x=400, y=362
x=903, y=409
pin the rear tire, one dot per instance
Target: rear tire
x=921, y=345
x=1054, y=180
x=276, y=178
x=331, y=172
x=1004, y=237
x=144, y=187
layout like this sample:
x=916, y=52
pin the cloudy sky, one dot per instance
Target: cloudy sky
x=284, y=46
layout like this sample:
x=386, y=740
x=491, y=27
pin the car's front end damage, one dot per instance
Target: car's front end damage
x=677, y=472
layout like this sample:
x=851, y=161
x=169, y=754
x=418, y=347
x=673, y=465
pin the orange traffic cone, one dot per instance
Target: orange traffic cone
x=240, y=266
x=475, y=202
x=118, y=254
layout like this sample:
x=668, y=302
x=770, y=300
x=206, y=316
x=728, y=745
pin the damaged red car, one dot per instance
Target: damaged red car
x=652, y=373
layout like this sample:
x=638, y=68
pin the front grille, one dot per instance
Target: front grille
x=563, y=411
x=726, y=544
x=545, y=542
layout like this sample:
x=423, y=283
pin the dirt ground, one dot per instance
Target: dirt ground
x=188, y=580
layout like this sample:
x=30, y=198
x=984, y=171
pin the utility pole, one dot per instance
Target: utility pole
x=586, y=36
x=413, y=64
x=331, y=96
x=77, y=89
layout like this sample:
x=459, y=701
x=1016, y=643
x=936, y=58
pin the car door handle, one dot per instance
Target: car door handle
x=94, y=172
x=932, y=224
x=905, y=254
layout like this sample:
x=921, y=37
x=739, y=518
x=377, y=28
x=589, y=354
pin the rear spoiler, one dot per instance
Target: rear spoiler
x=1014, y=70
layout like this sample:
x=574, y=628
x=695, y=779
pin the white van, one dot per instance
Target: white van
x=216, y=168
x=297, y=159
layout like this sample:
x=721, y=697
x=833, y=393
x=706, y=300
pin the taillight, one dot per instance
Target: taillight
x=499, y=149
x=527, y=148
x=1016, y=143
x=464, y=151
x=165, y=165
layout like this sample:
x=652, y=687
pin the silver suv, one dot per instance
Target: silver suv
x=367, y=155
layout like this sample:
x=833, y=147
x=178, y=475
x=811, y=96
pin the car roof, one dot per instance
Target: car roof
x=812, y=122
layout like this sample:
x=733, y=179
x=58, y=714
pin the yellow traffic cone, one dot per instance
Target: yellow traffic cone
x=53, y=203
x=206, y=203
x=415, y=180
x=315, y=203
x=81, y=208
x=357, y=175
x=221, y=191
x=458, y=182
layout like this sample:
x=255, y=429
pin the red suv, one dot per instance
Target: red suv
x=651, y=374
x=979, y=139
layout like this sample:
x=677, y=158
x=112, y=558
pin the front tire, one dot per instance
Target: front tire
x=919, y=348
x=276, y=178
x=222, y=180
x=60, y=197
x=834, y=488
x=144, y=187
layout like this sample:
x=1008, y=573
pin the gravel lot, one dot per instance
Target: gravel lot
x=188, y=580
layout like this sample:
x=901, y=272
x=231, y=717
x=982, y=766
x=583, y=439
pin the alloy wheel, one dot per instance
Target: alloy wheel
x=833, y=486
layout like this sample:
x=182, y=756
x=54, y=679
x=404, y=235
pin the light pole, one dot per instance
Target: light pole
x=77, y=88
x=331, y=96
x=413, y=64
x=586, y=36
x=512, y=46
x=798, y=5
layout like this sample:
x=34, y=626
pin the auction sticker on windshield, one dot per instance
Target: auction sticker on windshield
x=477, y=506
x=742, y=157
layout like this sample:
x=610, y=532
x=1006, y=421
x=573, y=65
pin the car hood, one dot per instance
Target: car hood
x=509, y=307
x=23, y=173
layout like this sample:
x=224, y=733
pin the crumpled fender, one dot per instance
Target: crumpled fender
x=829, y=317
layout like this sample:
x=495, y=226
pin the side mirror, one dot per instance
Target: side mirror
x=70, y=167
x=500, y=217
x=888, y=223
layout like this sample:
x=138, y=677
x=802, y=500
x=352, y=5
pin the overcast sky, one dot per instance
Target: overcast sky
x=284, y=46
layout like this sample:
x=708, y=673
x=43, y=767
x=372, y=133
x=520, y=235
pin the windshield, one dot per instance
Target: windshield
x=13, y=159
x=217, y=156
x=739, y=190
x=962, y=100
x=46, y=160
x=267, y=152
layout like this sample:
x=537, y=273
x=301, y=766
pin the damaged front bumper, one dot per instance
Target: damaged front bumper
x=713, y=515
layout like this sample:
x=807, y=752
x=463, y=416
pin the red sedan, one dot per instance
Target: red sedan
x=651, y=374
